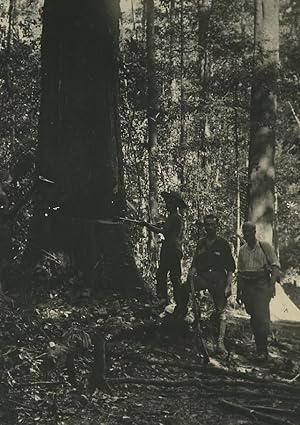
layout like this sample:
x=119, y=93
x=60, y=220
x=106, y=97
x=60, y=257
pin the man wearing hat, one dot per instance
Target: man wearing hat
x=212, y=268
x=258, y=270
x=171, y=249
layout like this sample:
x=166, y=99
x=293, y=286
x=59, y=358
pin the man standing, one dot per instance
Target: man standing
x=258, y=269
x=212, y=268
x=171, y=249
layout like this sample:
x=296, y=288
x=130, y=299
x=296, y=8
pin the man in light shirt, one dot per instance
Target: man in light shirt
x=258, y=269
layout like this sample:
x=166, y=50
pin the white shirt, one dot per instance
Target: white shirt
x=256, y=258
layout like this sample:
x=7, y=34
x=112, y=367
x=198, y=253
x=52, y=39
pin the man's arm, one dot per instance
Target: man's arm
x=193, y=269
x=272, y=260
x=270, y=254
x=192, y=272
x=230, y=269
x=228, y=288
x=152, y=227
x=240, y=267
x=274, y=274
x=239, y=289
x=171, y=226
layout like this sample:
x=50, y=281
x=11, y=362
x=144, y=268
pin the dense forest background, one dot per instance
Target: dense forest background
x=101, y=110
x=189, y=124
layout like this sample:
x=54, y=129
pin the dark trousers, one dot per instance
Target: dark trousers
x=215, y=282
x=256, y=295
x=170, y=263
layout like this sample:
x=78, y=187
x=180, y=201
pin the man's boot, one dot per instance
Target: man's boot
x=220, y=349
x=261, y=342
x=261, y=331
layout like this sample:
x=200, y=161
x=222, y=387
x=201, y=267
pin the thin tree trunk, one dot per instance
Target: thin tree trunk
x=133, y=20
x=172, y=61
x=9, y=44
x=144, y=21
x=152, y=111
x=182, y=101
x=237, y=167
x=263, y=117
x=204, y=13
x=275, y=231
x=11, y=12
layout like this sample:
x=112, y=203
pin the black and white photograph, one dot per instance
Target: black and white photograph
x=149, y=212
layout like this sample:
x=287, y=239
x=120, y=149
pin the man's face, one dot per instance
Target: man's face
x=249, y=235
x=210, y=225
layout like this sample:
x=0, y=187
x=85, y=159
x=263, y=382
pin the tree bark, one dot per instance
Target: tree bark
x=10, y=91
x=263, y=117
x=181, y=155
x=79, y=142
x=172, y=61
x=204, y=14
x=152, y=110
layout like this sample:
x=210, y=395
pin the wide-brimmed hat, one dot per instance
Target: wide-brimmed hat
x=176, y=196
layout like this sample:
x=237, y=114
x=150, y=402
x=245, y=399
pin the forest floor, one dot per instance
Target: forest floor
x=153, y=373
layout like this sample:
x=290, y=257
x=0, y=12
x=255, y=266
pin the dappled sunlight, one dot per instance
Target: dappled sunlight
x=266, y=164
x=264, y=232
x=124, y=123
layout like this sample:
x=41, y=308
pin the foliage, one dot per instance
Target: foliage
x=217, y=73
x=19, y=102
x=288, y=175
x=218, y=101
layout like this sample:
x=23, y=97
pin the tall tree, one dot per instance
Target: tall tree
x=152, y=114
x=9, y=45
x=172, y=62
x=263, y=116
x=182, y=101
x=204, y=15
x=152, y=109
x=79, y=142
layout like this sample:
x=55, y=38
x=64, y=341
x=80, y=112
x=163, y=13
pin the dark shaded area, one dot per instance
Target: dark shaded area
x=293, y=292
x=79, y=152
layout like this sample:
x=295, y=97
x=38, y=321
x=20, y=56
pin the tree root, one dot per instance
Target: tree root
x=244, y=394
x=268, y=409
x=252, y=413
x=204, y=385
x=158, y=382
x=253, y=380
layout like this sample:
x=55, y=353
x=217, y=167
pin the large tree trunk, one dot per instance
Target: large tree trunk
x=263, y=117
x=79, y=142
